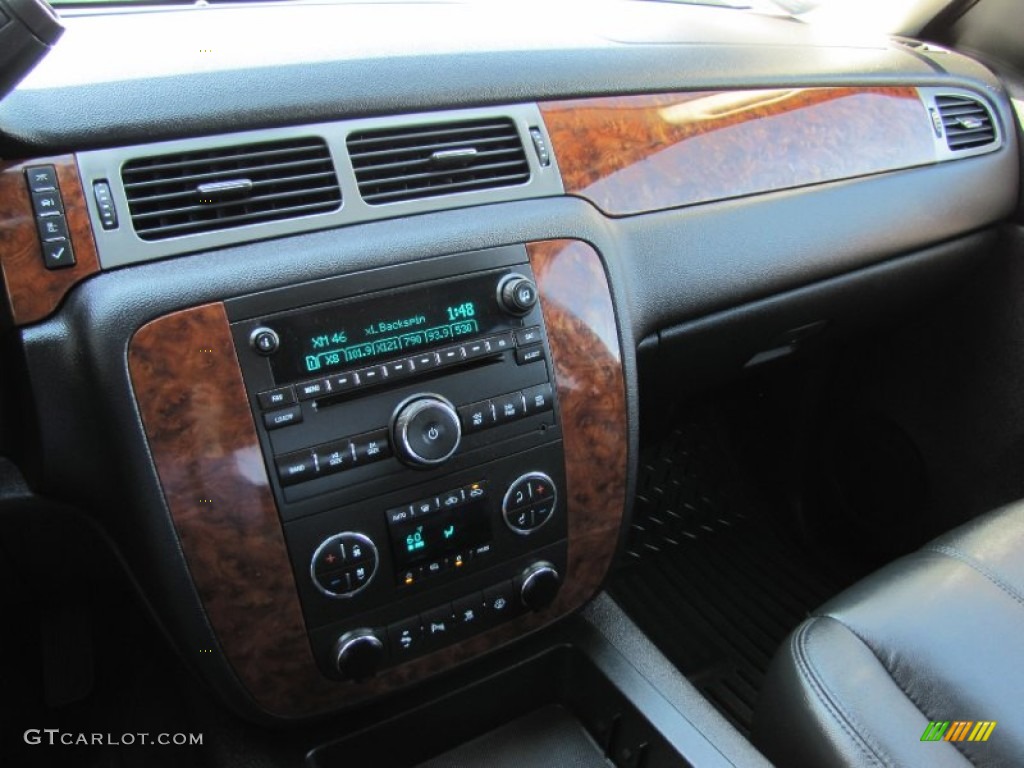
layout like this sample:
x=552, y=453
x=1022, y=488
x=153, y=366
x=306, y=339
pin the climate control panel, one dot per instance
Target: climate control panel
x=424, y=568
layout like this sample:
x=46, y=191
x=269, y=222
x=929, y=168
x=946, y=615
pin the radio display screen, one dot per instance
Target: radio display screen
x=363, y=331
x=442, y=533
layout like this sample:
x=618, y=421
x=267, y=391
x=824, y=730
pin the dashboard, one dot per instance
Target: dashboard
x=340, y=331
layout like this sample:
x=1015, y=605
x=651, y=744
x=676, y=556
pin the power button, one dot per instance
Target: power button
x=427, y=430
x=265, y=341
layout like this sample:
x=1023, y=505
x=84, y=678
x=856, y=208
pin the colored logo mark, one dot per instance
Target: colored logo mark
x=958, y=730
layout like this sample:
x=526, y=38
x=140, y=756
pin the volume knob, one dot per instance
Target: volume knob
x=358, y=654
x=427, y=430
x=540, y=583
x=517, y=294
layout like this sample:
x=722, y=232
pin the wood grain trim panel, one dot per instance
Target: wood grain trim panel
x=634, y=154
x=194, y=409
x=33, y=291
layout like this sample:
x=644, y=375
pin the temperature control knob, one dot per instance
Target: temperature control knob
x=517, y=294
x=358, y=654
x=529, y=503
x=344, y=564
x=427, y=430
x=540, y=583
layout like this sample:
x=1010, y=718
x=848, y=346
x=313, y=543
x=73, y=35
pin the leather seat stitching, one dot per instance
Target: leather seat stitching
x=848, y=724
x=970, y=562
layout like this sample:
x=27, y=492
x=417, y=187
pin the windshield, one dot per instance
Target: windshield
x=870, y=16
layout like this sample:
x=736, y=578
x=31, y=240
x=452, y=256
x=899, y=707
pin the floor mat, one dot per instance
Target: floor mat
x=712, y=577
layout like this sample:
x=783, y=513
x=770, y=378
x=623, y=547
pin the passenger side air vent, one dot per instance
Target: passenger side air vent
x=207, y=190
x=966, y=122
x=415, y=162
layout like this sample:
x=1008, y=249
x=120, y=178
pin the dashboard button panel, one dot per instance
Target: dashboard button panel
x=398, y=412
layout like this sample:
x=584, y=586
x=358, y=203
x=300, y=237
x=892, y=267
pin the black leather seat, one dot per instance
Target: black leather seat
x=935, y=636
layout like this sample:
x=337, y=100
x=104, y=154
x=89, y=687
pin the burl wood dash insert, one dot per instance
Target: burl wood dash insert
x=190, y=391
x=633, y=154
x=33, y=291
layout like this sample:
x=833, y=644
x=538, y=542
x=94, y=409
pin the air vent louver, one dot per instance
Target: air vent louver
x=966, y=122
x=191, y=192
x=415, y=162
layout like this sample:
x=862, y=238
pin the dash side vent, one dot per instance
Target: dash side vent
x=428, y=160
x=966, y=122
x=214, y=189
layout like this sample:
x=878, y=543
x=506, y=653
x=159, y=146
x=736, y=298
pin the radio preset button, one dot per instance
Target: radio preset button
x=342, y=382
x=452, y=355
x=375, y=374
x=528, y=336
x=283, y=417
x=476, y=349
x=399, y=369
x=275, y=398
x=426, y=361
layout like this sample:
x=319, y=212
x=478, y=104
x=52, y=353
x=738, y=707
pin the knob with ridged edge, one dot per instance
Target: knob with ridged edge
x=358, y=654
x=539, y=584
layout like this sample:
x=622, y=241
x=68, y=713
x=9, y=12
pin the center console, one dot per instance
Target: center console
x=380, y=475
x=410, y=430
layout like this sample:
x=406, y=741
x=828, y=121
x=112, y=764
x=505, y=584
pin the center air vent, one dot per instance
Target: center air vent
x=414, y=162
x=202, y=191
x=965, y=121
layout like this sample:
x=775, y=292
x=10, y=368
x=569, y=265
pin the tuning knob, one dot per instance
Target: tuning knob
x=517, y=294
x=358, y=654
x=540, y=583
x=427, y=430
